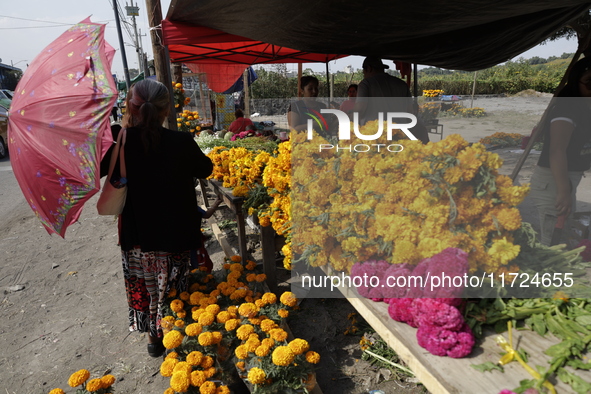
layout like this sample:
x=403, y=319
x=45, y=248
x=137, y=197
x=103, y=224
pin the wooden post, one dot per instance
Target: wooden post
x=299, y=79
x=161, y=61
x=202, y=99
x=246, y=94
x=473, y=90
x=328, y=85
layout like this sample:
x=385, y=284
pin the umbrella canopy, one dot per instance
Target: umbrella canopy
x=58, y=128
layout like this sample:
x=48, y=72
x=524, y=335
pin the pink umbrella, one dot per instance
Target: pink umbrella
x=58, y=128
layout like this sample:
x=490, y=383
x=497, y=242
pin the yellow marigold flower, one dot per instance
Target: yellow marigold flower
x=233, y=309
x=209, y=372
x=167, y=367
x=256, y=375
x=223, y=317
x=252, y=344
x=244, y=331
x=206, y=319
x=217, y=337
x=232, y=324
x=172, y=339
x=503, y=250
x=172, y=355
x=267, y=325
x=251, y=265
x=270, y=342
x=223, y=390
x=241, y=352
x=214, y=309
x=181, y=314
x=177, y=305
x=236, y=259
x=284, y=313
x=180, y=381
x=241, y=365
x=278, y=334
x=299, y=346
x=94, y=385
x=262, y=350
x=182, y=366
x=238, y=294
x=312, y=357
x=269, y=298
x=78, y=378
x=195, y=357
x=215, y=293
x=107, y=381
x=57, y=391
x=248, y=309
x=179, y=323
x=282, y=356
x=185, y=296
x=207, y=388
x=193, y=329
x=197, y=378
x=205, y=339
x=207, y=362
x=289, y=299
x=169, y=391
x=178, y=85
x=259, y=303
x=261, y=278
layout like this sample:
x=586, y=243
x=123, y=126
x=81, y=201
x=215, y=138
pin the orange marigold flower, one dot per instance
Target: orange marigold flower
x=195, y=357
x=177, y=305
x=289, y=299
x=193, y=329
x=244, y=331
x=207, y=362
x=269, y=298
x=207, y=388
x=256, y=375
x=299, y=346
x=236, y=259
x=197, y=378
x=278, y=334
x=248, y=309
x=284, y=313
x=282, y=356
x=312, y=357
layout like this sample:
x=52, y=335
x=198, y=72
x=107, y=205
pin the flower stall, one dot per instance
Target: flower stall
x=430, y=209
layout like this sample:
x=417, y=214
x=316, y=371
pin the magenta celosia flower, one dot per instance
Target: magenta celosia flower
x=400, y=310
x=585, y=254
x=438, y=273
x=368, y=273
x=395, y=280
x=442, y=342
x=507, y=392
x=429, y=311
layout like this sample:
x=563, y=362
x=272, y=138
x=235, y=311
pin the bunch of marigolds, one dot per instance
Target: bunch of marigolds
x=242, y=169
x=81, y=380
x=228, y=324
x=402, y=206
x=188, y=121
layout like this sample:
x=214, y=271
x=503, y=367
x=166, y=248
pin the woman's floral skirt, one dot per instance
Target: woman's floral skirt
x=149, y=276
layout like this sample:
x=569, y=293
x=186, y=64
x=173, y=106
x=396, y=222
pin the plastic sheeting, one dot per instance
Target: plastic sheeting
x=461, y=34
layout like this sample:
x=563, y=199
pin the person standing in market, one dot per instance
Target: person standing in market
x=566, y=153
x=380, y=92
x=348, y=105
x=160, y=223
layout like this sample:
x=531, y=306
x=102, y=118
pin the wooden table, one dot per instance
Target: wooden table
x=235, y=204
x=455, y=376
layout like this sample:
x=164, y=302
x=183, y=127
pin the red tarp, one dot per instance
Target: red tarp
x=220, y=77
x=198, y=44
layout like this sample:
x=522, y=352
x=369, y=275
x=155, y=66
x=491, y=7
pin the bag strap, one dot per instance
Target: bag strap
x=115, y=155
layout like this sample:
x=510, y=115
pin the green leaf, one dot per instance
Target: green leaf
x=576, y=382
x=487, y=367
x=539, y=324
x=584, y=320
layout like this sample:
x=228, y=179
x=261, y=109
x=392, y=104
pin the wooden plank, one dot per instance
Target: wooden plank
x=447, y=375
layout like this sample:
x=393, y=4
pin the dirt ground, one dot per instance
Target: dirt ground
x=64, y=307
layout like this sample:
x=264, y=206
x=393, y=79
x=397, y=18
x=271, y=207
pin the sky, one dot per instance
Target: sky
x=27, y=27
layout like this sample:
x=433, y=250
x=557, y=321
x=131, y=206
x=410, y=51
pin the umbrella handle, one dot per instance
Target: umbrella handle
x=88, y=66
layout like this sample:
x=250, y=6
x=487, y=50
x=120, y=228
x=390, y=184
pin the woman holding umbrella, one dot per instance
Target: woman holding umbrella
x=160, y=223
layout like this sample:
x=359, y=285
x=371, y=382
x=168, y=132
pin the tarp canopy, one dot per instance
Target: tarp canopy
x=222, y=78
x=461, y=34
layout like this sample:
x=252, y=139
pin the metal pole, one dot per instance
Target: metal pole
x=121, y=44
x=137, y=45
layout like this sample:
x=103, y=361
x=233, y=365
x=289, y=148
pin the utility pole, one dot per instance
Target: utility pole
x=133, y=11
x=161, y=60
x=121, y=44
